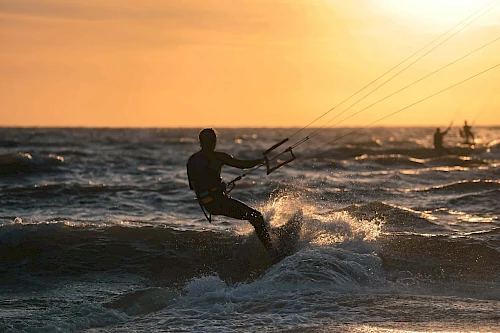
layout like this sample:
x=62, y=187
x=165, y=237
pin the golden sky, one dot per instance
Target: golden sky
x=240, y=63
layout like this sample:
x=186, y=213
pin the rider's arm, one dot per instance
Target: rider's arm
x=237, y=163
x=449, y=127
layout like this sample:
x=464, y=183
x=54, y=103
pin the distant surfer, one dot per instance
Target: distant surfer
x=204, y=174
x=466, y=133
x=438, y=140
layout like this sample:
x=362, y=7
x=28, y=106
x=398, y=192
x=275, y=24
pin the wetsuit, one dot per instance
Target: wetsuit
x=204, y=169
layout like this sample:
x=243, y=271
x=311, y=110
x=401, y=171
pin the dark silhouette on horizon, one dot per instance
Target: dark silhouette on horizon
x=466, y=133
x=438, y=140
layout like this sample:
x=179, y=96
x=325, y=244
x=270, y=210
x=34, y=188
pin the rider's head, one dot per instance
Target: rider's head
x=208, y=139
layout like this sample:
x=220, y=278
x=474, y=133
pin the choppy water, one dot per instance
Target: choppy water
x=100, y=233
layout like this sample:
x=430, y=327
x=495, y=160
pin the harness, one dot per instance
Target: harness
x=206, y=196
x=207, y=216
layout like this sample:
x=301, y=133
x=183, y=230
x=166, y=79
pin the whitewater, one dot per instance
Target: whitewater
x=99, y=232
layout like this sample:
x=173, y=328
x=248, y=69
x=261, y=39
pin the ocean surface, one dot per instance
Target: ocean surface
x=99, y=232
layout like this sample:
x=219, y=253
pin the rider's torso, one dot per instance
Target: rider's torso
x=204, y=170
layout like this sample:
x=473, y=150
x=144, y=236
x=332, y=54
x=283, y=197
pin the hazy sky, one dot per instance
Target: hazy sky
x=225, y=63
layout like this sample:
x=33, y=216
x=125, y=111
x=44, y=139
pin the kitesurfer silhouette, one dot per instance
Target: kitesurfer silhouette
x=204, y=174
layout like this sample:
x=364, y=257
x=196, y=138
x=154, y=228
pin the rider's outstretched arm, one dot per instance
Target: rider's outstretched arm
x=449, y=127
x=240, y=164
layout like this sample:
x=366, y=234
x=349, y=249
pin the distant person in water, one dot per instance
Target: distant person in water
x=438, y=140
x=204, y=174
x=466, y=134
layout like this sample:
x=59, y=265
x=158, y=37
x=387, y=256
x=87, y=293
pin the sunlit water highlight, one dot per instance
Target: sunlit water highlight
x=100, y=233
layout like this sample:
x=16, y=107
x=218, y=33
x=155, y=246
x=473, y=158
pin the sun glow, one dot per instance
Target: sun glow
x=200, y=63
x=436, y=11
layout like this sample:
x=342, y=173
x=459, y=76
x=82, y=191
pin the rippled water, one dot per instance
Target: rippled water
x=100, y=233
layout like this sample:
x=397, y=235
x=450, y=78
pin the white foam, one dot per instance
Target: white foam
x=204, y=285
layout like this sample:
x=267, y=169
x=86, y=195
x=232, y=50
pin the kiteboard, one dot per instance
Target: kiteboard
x=285, y=237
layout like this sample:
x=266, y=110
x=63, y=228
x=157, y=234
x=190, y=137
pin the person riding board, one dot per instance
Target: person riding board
x=466, y=133
x=438, y=139
x=204, y=175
